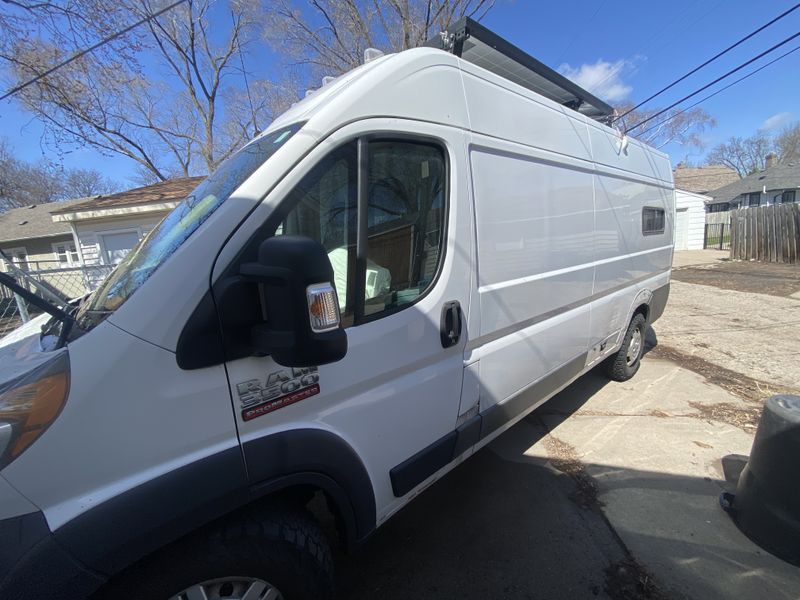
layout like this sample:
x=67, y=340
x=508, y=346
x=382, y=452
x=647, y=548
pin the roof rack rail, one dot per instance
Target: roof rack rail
x=474, y=43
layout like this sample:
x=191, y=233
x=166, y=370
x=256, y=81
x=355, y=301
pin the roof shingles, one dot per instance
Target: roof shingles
x=702, y=180
x=779, y=177
x=34, y=221
x=173, y=190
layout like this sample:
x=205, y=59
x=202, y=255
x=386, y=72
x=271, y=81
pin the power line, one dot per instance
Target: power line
x=655, y=37
x=708, y=85
x=712, y=59
x=85, y=51
x=742, y=78
x=577, y=33
x=246, y=83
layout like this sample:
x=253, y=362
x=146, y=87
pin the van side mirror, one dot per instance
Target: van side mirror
x=301, y=324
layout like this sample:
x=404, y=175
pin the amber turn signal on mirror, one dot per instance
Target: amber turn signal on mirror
x=323, y=307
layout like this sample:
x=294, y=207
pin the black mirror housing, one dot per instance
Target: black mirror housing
x=287, y=265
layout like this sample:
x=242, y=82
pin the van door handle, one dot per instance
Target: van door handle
x=450, y=327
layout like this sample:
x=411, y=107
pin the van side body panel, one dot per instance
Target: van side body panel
x=562, y=261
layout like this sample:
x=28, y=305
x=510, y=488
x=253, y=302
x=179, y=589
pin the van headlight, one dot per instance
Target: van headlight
x=30, y=404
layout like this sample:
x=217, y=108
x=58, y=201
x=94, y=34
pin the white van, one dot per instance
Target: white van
x=405, y=264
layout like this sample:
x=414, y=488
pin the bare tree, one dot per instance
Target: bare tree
x=744, y=155
x=23, y=184
x=329, y=36
x=179, y=120
x=683, y=128
x=787, y=144
x=81, y=183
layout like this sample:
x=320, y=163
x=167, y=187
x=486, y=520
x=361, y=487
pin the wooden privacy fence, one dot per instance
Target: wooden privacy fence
x=766, y=233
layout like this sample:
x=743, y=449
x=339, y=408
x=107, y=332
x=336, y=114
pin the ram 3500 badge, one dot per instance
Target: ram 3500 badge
x=281, y=388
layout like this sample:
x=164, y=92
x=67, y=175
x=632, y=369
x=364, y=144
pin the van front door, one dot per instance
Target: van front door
x=394, y=398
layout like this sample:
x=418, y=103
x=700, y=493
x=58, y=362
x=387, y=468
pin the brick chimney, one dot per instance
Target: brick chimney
x=770, y=160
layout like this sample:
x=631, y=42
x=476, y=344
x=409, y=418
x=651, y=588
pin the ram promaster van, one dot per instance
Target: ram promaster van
x=402, y=266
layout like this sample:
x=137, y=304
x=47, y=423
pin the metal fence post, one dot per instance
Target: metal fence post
x=23, y=309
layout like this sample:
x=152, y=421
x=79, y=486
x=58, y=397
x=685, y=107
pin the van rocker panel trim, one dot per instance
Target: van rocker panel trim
x=416, y=469
x=498, y=415
x=658, y=303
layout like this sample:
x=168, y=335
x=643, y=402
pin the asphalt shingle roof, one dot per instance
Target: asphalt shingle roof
x=34, y=221
x=779, y=177
x=702, y=180
x=173, y=190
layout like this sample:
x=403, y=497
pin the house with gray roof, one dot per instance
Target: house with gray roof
x=30, y=237
x=702, y=180
x=107, y=227
x=777, y=184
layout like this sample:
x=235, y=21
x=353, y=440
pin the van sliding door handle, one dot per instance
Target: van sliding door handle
x=450, y=327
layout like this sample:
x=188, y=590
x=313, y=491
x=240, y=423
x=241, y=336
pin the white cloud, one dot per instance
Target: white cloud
x=603, y=79
x=775, y=121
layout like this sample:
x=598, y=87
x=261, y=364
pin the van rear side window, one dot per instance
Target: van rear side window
x=652, y=220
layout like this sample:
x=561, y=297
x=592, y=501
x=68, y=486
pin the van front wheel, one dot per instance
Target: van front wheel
x=624, y=364
x=279, y=554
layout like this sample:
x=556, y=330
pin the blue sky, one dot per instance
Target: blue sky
x=643, y=45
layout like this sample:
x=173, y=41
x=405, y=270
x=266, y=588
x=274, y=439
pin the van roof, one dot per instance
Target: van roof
x=474, y=43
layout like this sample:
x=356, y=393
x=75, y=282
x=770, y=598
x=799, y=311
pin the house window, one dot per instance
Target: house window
x=18, y=256
x=116, y=245
x=788, y=196
x=721, y=207
x=652, y=220
x=66, y=254
x=754, y=199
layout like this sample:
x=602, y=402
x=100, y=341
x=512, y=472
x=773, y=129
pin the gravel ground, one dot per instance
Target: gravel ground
x=760, y=278
x=757, y=335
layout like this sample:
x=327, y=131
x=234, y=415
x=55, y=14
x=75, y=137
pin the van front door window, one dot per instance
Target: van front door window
x=405, y=221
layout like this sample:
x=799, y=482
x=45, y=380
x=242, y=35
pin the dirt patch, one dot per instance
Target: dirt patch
x=628, y=580
x=565, y=459
x=744, y=417
x=746, y=388
x=775, y=279
x=625, y=579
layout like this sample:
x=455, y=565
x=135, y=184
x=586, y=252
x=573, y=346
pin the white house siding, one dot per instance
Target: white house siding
x=693, y=219
x=90, y=233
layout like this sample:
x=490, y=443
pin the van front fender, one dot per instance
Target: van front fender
x=318, y=458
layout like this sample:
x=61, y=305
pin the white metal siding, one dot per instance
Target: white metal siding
x=89, y=231
x=695, y=218
x=682, y=229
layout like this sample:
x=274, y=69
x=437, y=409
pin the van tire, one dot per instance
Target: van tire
x=621, y=367
x=283, y=546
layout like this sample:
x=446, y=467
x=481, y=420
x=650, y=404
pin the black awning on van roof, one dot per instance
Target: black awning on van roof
x=474, y=43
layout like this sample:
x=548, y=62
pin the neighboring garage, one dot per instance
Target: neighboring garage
x=690, y=220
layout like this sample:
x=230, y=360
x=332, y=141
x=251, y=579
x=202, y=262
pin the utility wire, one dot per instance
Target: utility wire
x=85, y=51
x=691, y=106
x=577, y=33
x=661, y=47
x=708, y=85
x=246, y=83
x=712, y=59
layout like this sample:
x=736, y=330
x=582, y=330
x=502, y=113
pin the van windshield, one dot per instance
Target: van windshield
x=177, y=226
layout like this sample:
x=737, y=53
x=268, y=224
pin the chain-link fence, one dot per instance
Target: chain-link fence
x=50, y=280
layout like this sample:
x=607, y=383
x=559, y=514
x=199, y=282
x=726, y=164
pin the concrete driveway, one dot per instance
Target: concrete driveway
x=607, y=491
